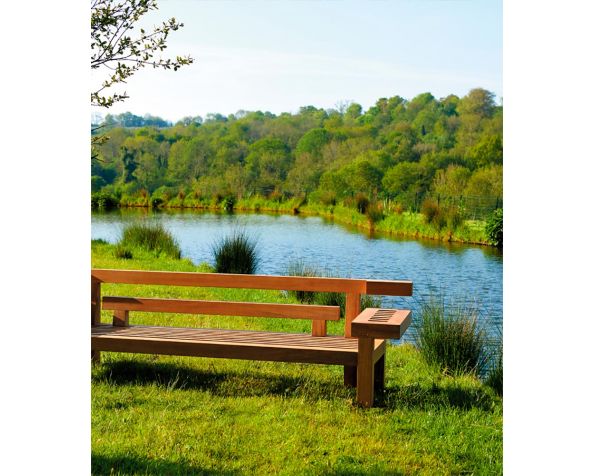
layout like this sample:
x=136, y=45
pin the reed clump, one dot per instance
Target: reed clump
x=452, y=338
x=151, y=237
x=236, y=253
x=300, y=268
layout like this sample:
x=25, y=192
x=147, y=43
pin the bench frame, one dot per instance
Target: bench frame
x=371, y=327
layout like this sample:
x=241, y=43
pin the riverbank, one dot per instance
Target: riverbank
x=178, y=415
x=387, y=220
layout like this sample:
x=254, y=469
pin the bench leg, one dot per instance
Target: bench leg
x=95, y=356
x=379, y=374
x=365, y=371
x=350, y=375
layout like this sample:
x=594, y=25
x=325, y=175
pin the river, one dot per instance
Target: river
x=463, y=274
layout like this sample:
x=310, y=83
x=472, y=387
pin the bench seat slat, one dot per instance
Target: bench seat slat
x=222, y=308
x=251, y=345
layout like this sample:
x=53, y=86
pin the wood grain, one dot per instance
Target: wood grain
x=251, y=281
x=352, y=309
x=223, y=308
x=381, y=323
x=365, y=371
x=251, y=345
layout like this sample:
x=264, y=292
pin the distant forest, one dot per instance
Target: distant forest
x=399, y=150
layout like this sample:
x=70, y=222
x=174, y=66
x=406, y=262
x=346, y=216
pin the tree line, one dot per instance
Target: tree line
x=398, y=150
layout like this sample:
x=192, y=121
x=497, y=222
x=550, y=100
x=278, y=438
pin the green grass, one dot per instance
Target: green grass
x=405, y=224
x=180, y=415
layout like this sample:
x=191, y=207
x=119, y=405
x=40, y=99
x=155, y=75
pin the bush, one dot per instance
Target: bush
x=228, y=203
x=156, y=202
x=236, y=253
x=151, y=237
x=122, y=252
x=432, y=213
x=495, y=228
x=103, y=201
x=375, y=213
x=362, y=203
x=451, y=338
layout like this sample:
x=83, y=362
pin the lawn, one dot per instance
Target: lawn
x=179, y=415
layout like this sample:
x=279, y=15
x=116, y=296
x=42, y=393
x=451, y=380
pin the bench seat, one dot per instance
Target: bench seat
x=231, y=344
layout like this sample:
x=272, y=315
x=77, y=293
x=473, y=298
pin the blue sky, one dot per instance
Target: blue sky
x=279, y=55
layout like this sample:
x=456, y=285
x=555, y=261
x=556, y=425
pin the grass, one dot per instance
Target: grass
x=301, y=268
x=396, y=222
x=236, y=253
x=152, y=237
x=181, y=415
x=451, y=338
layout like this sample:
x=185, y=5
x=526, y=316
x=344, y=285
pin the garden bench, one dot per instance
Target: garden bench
x=361, y=350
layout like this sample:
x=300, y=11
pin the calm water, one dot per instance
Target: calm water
x=461, y=273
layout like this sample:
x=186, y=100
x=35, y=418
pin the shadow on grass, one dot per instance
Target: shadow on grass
x=253, y=383
x=418, y=396
x=225, y=384
x=126, y=464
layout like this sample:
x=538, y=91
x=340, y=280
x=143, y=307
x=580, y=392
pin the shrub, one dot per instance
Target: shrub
x=151, y=237
x=495, y=228
x=236, y=253
x=362, y=203
x=122, y=252
x=451, y=338
x=375, y=213
x=103, y=201
x=432, y=213
x=328, y=198
x=156, y=202
x=453, y=218
x=398, y=208
x=228, y=203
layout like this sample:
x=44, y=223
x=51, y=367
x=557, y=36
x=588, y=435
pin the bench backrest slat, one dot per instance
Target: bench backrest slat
x=251, y=281
x=222, y=308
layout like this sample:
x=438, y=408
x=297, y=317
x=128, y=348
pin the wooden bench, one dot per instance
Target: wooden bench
x=361, y=350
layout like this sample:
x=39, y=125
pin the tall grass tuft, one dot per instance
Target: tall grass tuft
x=300, y=268
x=151, y=237
x=452, y=338
x=236, y=253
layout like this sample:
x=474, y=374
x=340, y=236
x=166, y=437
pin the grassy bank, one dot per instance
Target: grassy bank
x=397, y=223
x=178, y=415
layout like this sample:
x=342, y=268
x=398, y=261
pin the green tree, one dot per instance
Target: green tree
x=115, y=48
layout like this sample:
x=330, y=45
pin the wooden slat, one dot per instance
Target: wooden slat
x=381, y=323
x=389, y=288
x=249, y=345
x=223, y=308
x=219, y=280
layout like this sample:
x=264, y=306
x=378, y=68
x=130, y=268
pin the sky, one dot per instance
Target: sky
x=280, y=55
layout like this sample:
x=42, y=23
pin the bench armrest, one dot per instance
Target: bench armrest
x=381, y=323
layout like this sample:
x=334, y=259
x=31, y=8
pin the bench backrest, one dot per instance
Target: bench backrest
x=353, y=288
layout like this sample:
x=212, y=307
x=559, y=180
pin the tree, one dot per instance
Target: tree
x=114, y=48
